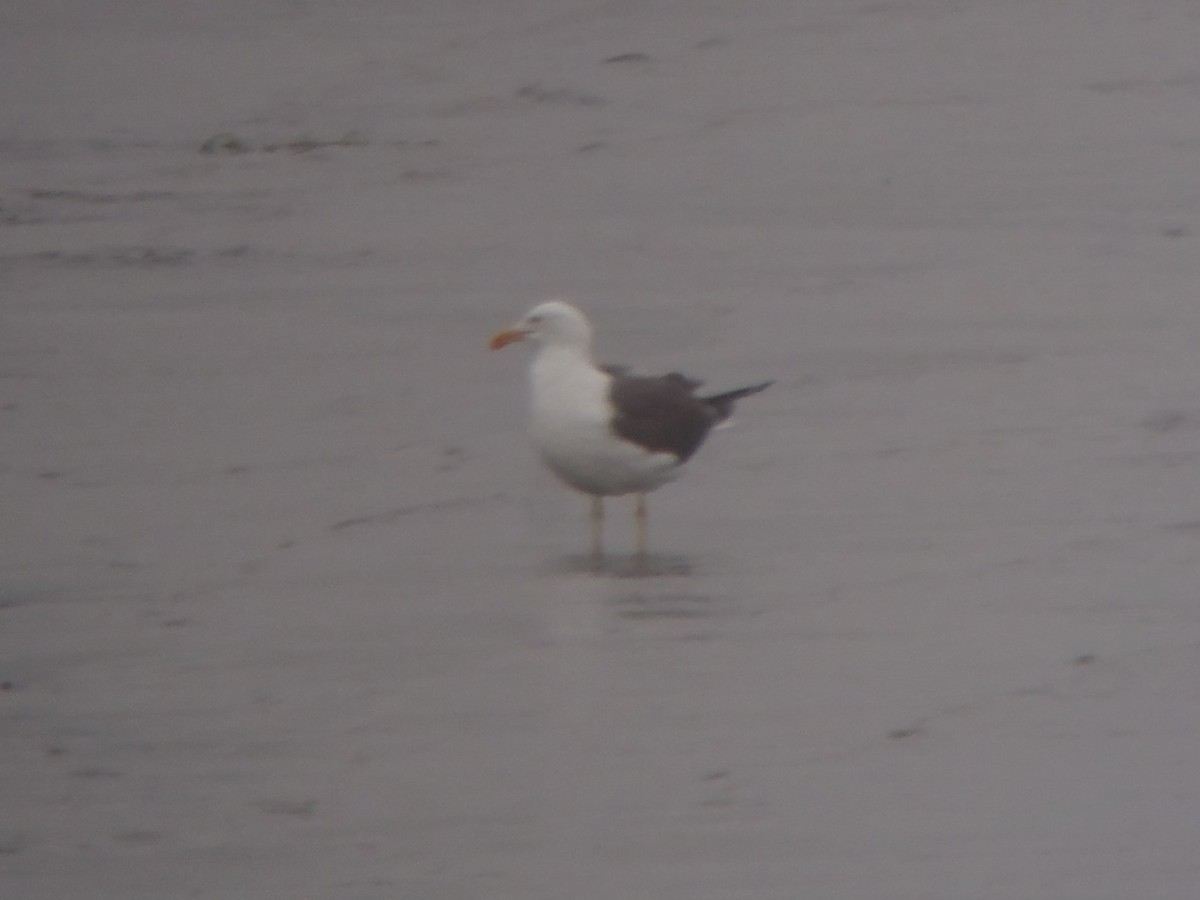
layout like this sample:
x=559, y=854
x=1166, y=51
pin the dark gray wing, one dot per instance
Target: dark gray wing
x=661, y=414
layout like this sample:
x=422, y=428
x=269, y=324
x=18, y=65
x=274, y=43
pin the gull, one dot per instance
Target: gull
x=602, y=430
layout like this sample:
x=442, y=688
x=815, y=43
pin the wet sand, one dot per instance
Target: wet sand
x=287, y=606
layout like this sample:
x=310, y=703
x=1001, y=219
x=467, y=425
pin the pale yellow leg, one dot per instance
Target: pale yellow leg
x=597, y=528
x=639, y=525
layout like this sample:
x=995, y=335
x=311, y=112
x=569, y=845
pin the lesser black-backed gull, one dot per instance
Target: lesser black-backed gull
x=603, y=431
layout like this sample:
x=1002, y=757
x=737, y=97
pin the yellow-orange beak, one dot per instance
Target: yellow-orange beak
x=506, y=337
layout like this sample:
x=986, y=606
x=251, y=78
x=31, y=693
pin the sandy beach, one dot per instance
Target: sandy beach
x=288, y=607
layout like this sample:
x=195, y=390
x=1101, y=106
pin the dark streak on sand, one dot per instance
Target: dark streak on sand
x=400, y=512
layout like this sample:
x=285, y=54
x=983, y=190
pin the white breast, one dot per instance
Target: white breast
x=571, y=428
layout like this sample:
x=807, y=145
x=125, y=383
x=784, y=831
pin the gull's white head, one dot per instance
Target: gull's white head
x=552, y=322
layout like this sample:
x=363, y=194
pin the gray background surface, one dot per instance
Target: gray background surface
x=289, y=610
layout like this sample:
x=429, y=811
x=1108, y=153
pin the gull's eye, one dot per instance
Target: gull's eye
x=533, y=320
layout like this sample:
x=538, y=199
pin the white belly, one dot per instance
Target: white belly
x=571, y=430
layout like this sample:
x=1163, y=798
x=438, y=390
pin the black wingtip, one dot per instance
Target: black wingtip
x=722, y=404
x=755, y=388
